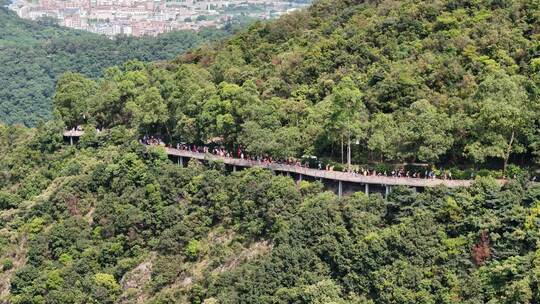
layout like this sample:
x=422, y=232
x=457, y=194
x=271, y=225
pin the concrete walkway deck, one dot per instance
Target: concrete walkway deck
x=330, y=175
x=317, y=174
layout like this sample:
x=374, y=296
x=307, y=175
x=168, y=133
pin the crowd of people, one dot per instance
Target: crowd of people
x=80, y=129
x=353, y=170
x=239, y=154
x=266, y=159
x=400, y=173
x=152, y=141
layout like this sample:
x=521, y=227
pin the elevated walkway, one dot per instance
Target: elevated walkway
x=340, y=177
x=318, y=174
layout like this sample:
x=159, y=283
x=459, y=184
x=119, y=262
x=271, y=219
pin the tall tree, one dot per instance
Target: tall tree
x=149, y=110
x=504, y=118
x=427, y=131
x=71, y=98
x=348, y=116
x=384, y=136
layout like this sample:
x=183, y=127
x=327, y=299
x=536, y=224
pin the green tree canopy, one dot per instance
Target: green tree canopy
x=504, y=118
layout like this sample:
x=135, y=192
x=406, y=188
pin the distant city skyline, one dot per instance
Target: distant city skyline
x=150, y=17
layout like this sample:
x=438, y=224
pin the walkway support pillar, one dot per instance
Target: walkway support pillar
x=387, y=191
x=71, y=140
x=300, y=177
x=340, y=189
x=367, y=189
x=181, y=161
x=234, y=168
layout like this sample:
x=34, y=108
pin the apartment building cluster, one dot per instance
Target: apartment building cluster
x=149, y=17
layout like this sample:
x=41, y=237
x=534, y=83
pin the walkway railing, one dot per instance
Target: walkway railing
x=324, y=174
x=315, y=173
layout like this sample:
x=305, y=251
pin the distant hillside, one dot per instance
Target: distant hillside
x=34, y=54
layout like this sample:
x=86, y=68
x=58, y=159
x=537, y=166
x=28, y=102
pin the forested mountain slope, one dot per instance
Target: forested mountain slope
x=451, y=81
x=111, y=221
x=34, y=55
